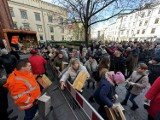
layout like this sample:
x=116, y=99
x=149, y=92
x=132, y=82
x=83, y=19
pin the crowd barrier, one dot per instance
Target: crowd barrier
x=83, y=103
x=91, y=113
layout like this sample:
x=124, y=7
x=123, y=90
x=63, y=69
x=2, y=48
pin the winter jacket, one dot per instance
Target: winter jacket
x=9, y=62
x=2, y=78
x=118, y=64
x=140, y=85
x=103, y=94
x=23, y=88
x=131, y=62
x=38, y=64
x=154, y=72
x=91, y=66
x=71, y=73
x=58, y=62
x=153, y=94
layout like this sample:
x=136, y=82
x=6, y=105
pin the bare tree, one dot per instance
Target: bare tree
x=90, y=12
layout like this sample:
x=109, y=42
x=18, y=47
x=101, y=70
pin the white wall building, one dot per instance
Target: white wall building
x=140, y=25
x=36, y=15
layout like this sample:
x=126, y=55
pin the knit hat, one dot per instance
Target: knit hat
x=33, y=51
x=119, y=78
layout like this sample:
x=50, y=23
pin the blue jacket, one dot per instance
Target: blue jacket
x=104, y=93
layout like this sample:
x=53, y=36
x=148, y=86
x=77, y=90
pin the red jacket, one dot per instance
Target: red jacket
x=37, y=63
x=153, y=94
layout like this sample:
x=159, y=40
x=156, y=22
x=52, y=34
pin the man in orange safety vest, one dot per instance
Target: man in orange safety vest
x=24, y=89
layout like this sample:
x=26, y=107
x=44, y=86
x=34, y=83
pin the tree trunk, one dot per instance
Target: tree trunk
x=86, y=35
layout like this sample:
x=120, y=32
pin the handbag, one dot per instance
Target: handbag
x=129, y=87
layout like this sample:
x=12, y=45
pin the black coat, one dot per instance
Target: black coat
x=9, y=62
x=118, y=64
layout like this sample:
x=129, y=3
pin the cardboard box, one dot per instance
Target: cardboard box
x=79, y=81
x=44, y=105
x=44, y=81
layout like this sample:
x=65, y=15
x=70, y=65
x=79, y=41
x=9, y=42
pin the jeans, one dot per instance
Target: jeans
x=131, y=97
x=30, y=113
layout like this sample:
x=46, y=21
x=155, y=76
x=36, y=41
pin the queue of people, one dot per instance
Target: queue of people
x=132, y=61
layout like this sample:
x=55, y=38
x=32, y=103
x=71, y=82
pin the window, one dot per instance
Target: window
x=62, y=37
x=149, y=13
x=134, y=23
x=37, y=16
x=143, y=31
x=11, y=11
x=138, y=31
x=51, y=29
x=39, y=28
x=156, y=20
x=146, y=22
x=26, y=26
x=15, y=25
x=143, y=15
x=50, y=19
x=52, y=37
x=136, y=15
x=153, y=30
x=62, y=30
x=124, y=19
x=122, y=33
x=61, y=21
x=140, y=23
x=23, y=14
x=41, y=37
x=159, y=12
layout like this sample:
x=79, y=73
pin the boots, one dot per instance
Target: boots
x=124, y=102
x=134, y=107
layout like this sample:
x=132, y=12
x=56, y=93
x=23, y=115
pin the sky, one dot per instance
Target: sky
x=101, y=25
x=50, y=1
x=98, y=26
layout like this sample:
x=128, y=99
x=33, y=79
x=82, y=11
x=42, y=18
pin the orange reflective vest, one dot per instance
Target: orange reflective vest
x=23, y=88
x=14, y=39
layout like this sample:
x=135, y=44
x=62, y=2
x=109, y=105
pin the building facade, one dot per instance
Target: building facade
x=140, y=25
x=5, y=17
x=48, y=20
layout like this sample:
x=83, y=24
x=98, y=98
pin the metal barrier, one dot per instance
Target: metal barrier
x=77, y=98
x=83, y=103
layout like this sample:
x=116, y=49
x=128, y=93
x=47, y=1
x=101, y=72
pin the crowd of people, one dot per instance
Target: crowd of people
x=106, y=64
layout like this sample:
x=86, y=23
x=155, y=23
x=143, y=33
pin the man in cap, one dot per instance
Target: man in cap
x=37, y=62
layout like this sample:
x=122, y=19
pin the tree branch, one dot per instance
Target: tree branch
x=102, y=8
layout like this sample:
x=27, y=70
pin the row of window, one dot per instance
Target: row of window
x=37, y=15
x=143, y=31
x=142, y=15
x=146, y=22
x=138, y=32
x=52, y=37
x=26, y=26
